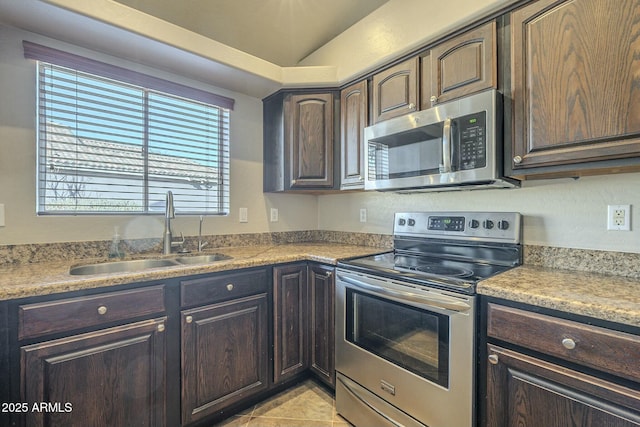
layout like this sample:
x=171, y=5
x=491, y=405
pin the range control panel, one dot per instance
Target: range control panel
x=490, y=226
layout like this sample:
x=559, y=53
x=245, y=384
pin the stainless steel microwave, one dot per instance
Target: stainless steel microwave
x=453, y=146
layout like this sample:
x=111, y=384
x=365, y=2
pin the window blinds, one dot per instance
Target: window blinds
x=110, y=146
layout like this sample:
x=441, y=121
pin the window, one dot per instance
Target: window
x=115, y=141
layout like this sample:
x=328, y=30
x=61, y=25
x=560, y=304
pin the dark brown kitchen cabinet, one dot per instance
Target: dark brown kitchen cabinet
x=111, y=377
x=290, y=337
x=299, y=136
x=542, y=370
x=321, y=322
x=225, y=344
x=354, y=105
x=107, y=375
x=460, y=66
x=395, y=91
x=575, y=91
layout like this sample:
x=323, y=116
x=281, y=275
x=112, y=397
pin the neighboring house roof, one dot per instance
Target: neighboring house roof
x=67, y=152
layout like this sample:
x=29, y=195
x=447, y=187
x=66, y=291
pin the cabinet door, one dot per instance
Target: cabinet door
x=224, y=355
x=113, y=377
x=321, y=312
x=463, y=65
x=309, y=125
x=525, y=391
x=290, y=321
x=395, y=91
x=353, y=109
x=575, y=75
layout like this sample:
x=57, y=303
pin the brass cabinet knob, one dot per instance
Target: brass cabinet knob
x=493, y=359
x=568, y=343
x=433, y=99
x=161, y=327
x=230, y=287
x=102, y=309
x=517, y=160
x=412, y=106
x=188, y=319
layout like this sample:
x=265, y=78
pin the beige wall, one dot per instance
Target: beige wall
x=561, y=212
x=17, y=166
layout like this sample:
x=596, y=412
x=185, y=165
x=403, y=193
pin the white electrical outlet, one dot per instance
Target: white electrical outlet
x=274, y=215
x=619, y=217
x=363, y=215
x=244, y=215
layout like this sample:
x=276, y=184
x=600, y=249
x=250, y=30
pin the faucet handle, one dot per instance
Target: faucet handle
x=178, y=242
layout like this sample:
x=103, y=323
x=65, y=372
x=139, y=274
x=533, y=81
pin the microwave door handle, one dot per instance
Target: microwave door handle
x=445, y=167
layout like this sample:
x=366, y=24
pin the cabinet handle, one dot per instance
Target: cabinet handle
x=433, y=99
x=161, y=327
x=568, y=343
x=102, y=309
x=493, y=359
x=188, y=319
x=517, y=160
x=294, y=182
x=230, y=287
x=412, y=106
x=328, y=274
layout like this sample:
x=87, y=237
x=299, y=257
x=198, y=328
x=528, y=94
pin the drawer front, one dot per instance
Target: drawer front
x=222, y=287
x=600, y=348
x=74, y=313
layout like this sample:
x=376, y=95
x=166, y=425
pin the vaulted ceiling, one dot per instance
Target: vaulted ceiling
x=279, y=31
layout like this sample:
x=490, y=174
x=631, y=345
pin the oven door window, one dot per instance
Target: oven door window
x=412, y=338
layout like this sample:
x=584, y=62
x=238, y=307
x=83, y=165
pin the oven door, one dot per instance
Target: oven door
x=409, y=346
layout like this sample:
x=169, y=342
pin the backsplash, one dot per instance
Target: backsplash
x=594, y=261
x=605, y=262
x=36, y=253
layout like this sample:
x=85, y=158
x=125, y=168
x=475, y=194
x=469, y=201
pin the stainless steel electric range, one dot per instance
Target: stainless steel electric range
x=406, y=319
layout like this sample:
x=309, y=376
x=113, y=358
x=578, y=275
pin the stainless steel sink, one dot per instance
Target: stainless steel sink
x=121, y=266
x=201, y=259
x=144, y=264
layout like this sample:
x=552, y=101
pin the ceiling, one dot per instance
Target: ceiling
x=282, y=32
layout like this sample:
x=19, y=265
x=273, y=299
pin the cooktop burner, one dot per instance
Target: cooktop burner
x=439, y=270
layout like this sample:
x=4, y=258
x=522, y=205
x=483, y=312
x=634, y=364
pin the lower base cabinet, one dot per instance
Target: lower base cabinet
x=543, y=370
x=225, y=355
x=321, y=323
x=112, y=377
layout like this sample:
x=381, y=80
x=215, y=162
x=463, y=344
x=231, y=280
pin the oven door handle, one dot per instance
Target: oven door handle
x=369, y=405
x=439, y=301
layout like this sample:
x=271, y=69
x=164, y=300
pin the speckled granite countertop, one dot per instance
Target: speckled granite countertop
x=25, y=280
x=606, y=297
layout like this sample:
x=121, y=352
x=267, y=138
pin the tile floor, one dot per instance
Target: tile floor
x=306, y=405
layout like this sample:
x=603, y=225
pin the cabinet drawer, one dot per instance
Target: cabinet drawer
x=74, y=313
x=221, y=287
x=603, y=349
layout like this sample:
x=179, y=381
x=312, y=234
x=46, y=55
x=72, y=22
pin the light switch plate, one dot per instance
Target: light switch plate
x=244, y=215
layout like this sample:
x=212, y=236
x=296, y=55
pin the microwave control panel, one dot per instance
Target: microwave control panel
x=472, y=141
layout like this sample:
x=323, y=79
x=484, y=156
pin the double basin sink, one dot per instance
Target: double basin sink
x=144, y=264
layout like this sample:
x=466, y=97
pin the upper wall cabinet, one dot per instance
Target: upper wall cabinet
x=299, y=137
x=354, y=106
x=395, y=91
x=575, y=77
x=462, y=65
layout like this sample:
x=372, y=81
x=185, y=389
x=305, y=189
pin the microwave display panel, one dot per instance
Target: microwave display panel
x=470, y=134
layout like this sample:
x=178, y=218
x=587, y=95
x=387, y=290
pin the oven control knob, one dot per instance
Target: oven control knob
x=402, y=221
x=412, y=222
x=474, y=223
x=503, y=225
x=488, y=224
